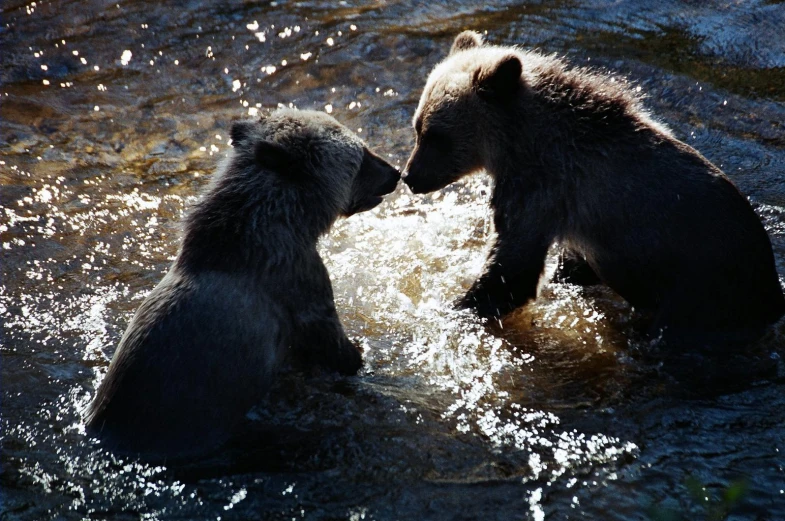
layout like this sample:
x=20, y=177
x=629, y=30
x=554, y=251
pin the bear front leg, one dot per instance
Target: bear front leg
x=321, y=340
x=511, y=278
x=318, y=336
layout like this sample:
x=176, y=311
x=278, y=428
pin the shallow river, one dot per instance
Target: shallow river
x=112, y=117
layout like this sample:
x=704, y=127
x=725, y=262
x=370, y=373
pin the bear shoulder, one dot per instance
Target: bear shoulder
x=594, y=95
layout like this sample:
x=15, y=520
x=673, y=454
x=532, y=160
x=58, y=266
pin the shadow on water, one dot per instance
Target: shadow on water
x=112, y=117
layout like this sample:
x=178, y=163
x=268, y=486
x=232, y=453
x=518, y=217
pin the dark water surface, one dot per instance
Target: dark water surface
x=112, y=117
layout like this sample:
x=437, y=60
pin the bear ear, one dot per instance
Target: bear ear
x=275, y=157
x=501, y=81
x=240, y=132
x=465, y=41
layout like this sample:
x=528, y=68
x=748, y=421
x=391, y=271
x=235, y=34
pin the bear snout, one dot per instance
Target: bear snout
x=410, y=177
x=419, y=174
x=381, y=170
x=391, y=183
x=376, y=179
x=418, y=181
x=415, y=185
x=393, y=176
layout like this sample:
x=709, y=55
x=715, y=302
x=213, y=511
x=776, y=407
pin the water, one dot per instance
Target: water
x=112, y=117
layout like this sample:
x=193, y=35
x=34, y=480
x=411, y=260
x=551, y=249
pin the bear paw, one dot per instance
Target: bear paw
x=482, y=304
x=348, y=360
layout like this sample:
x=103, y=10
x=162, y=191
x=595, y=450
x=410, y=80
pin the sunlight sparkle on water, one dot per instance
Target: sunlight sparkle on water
x=407, y=301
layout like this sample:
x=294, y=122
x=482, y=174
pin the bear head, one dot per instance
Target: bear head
x=311, y=151
x=465, y=98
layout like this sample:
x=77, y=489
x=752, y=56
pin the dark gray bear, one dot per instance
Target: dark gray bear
x=576, y=160
x=247, y=289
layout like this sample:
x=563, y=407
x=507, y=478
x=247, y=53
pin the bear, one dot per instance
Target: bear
x=577, y=161
x=246, y=291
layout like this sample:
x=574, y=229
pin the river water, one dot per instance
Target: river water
x=112, y=117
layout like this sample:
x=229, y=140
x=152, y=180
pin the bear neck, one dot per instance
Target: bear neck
x=236, y=227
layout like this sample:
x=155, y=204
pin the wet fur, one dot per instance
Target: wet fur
x=247, y=289
x=576, y=160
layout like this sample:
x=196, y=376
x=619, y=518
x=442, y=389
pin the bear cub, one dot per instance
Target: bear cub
x=247, y=289
x=576, y=160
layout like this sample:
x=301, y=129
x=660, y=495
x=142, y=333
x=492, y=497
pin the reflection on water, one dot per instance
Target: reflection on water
x=113, y=116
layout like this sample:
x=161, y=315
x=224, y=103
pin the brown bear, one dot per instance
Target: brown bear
x=576, y=160
x=247, y=289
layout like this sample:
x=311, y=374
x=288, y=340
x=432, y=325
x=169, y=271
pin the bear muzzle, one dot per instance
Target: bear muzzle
x=387, y=176
x=419, y=174
x=416, y=185
x=430, y=171
x=376, y=179
x=420, y=182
